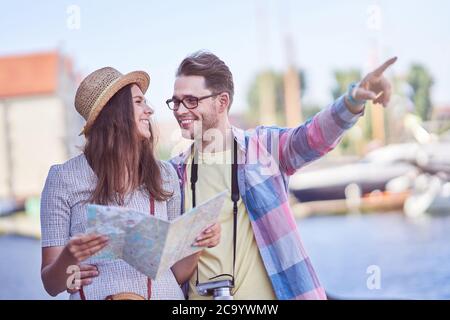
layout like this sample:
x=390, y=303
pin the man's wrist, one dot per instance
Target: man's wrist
x=355, y=109
x=353, y=105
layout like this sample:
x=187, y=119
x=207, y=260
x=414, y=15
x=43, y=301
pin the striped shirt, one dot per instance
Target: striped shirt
x=267, y=156
x=63, y=215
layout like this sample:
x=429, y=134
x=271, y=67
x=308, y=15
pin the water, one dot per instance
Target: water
x=20, y=269
x=413, y=257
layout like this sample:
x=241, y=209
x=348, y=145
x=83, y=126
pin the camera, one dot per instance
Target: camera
x=220, y=290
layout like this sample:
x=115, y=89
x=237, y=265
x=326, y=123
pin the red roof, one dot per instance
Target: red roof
x=28, y=74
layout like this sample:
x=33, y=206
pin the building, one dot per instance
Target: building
x=39, y=125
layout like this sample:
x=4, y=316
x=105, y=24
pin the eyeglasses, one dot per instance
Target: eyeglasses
x=189, y=102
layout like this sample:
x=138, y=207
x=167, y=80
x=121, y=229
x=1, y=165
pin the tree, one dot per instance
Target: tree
x=277, y=81
x=420, y=81
x=343, y=80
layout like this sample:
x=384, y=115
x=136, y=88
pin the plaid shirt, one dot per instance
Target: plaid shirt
x=267, y=156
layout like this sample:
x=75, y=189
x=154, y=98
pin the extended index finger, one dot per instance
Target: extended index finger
x=379, y=71
x=88, y=267
x=208, y=228
x=80, y=239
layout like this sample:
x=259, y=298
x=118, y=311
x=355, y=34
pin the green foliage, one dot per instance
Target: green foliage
x=277, y=79
x=343, y=80
x=421, y=82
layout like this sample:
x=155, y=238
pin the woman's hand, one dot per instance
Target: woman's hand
x=87, y=273
x=210, y=237
x=81, y=247
x=184, y=269
x=57, y=260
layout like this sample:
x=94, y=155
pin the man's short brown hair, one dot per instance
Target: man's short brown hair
x=218, y=77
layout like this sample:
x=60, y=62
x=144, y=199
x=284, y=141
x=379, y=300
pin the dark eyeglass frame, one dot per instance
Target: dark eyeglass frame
x=176, y=101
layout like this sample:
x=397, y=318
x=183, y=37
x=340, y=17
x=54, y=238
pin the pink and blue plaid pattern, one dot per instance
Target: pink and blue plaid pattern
x=267, y=156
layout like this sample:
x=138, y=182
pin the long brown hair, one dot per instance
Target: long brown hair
x=120, y=158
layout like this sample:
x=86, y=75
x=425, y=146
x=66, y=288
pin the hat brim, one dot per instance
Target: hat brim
x=140, y=78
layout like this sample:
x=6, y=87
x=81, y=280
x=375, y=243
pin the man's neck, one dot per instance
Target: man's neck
x=217, y=140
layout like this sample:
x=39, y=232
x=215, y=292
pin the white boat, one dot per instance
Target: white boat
x=431, y=196
x=373, y=172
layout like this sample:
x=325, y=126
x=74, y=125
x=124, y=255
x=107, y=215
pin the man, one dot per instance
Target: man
x=260, y=249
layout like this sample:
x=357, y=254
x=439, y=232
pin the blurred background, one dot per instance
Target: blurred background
x=373, y=214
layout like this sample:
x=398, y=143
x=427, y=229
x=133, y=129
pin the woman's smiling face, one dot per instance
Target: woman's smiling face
x=142, y=112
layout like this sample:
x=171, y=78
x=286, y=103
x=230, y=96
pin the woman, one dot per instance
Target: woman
x=117, y=167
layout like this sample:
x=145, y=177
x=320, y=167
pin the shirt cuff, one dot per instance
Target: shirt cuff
x=344, y=114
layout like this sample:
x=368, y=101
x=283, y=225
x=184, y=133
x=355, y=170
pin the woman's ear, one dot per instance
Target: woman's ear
x=224, y=102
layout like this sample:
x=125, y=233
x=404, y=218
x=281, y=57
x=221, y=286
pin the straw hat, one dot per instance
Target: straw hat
x=99, y=86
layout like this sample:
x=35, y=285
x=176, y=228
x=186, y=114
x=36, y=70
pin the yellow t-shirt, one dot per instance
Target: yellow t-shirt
x=252, y=282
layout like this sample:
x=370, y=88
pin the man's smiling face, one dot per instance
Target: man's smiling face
x=194, y=122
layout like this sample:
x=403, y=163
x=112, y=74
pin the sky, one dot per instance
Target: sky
x=249, y=35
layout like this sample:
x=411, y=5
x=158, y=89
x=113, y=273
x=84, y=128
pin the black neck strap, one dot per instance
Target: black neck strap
x=234, y=197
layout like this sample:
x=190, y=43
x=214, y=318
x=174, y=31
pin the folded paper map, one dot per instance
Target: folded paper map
x=150, y=244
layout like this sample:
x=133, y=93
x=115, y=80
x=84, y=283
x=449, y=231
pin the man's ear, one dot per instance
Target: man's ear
x=224, y=102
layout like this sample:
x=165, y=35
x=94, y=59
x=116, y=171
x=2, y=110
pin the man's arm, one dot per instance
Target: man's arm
x=319, y=135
